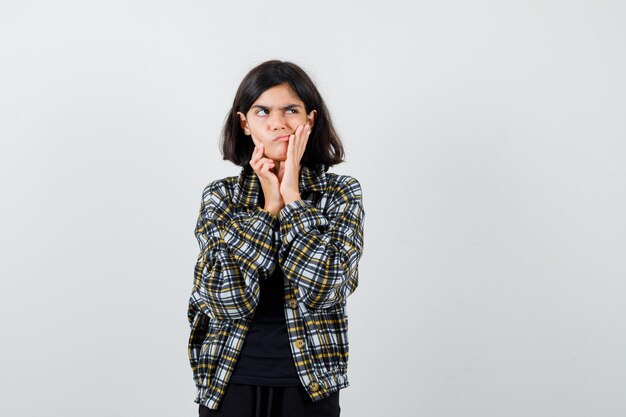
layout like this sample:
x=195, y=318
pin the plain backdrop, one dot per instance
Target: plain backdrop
x=490, y=141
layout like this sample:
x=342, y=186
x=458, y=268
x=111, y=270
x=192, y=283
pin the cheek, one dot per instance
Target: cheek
x=256, y=136
x=296, y=121
x=255, y=129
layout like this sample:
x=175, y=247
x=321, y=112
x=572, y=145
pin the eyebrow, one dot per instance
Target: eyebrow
x=287, y=107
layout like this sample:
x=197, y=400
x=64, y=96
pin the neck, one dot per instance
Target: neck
x=276, y=167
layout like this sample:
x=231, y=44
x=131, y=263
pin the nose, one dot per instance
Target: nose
x=277, y=121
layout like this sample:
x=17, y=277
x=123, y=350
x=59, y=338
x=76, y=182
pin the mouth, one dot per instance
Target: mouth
x=283, y=138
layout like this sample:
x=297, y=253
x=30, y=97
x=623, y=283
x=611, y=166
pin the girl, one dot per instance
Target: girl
x=279, y=250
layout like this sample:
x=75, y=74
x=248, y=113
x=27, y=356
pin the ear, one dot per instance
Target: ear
x=311, y=117
x=243, y=123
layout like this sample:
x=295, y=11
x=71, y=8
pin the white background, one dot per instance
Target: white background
x=488, y=136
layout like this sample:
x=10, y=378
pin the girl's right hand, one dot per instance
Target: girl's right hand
x=269, y=181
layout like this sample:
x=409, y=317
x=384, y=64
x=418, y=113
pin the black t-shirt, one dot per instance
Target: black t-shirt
x=266, y=358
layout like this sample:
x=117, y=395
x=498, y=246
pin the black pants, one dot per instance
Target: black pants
x=258, y=401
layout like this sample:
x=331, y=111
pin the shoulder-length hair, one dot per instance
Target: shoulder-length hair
x=323, y=146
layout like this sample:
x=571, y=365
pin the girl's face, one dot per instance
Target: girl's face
x=273, y=117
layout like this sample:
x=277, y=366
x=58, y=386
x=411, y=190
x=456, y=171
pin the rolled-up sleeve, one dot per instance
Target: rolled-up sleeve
x=319, y=251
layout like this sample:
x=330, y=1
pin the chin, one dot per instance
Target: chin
x=282, y=156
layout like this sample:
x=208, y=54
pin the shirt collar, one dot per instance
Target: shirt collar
x=248, y=187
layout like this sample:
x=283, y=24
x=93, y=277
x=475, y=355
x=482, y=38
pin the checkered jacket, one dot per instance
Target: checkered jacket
x=316, y=241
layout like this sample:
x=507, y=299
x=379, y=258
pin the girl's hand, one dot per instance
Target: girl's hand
x=269, y=181
x=295, y=149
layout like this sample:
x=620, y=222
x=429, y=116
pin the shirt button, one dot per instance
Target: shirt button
x=300, y=343
x=293, y=303
x=314, y=386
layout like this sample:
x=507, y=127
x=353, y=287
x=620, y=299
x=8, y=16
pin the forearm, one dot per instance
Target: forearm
x=319, y=254
x=221, y=290
x=249, y=236
x=237, y=251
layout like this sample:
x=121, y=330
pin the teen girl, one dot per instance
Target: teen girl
x=279, y=250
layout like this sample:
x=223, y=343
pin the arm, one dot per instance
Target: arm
x=236, y=252
x=320, y=252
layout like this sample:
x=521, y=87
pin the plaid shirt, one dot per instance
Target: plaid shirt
x=317, y=242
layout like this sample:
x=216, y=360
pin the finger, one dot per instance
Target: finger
x=258, y=150
x=298, y=133
x=290, y=145
x=266, y=160
x=299, y=144
x=265, y=172
x=304, y=132
x=260, y=160
x=300, y=141
x=306, y=136
x=256, y=155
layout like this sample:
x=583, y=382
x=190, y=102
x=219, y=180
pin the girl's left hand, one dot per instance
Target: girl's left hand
x=295, y=149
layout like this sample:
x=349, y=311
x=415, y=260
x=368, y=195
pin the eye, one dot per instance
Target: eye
x=259, y=112
x=292, y=110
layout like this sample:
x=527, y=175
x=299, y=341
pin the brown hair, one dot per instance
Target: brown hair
x=323, y=146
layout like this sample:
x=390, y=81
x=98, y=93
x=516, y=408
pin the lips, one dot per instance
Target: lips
x=283, y=138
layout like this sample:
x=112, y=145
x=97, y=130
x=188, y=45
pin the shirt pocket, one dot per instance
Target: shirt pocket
x=328, y=337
